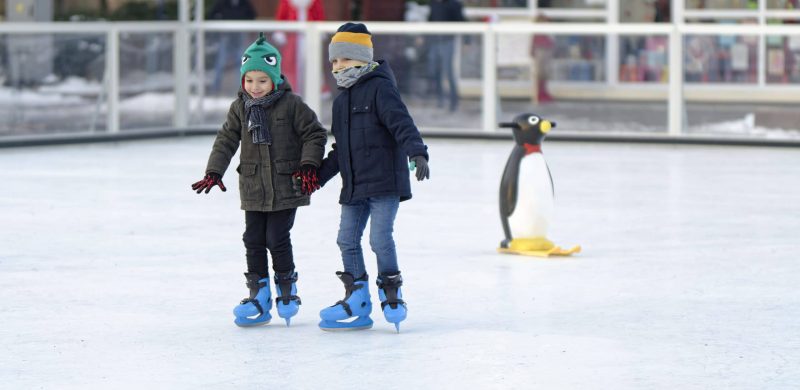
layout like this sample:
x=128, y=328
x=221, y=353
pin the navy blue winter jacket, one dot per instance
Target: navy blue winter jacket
x=374, y=138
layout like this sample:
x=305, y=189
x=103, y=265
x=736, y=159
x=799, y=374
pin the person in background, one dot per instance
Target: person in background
x=542, y=48
x=228, y=42
x=663, y=11
x=441, y=49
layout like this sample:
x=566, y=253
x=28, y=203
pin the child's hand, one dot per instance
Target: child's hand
x=420, y=163
x=212, y=179
x=306, y=180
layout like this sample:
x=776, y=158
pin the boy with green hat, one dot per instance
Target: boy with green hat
x=282, y=145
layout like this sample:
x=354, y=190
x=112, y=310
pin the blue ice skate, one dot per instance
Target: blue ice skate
x=356, y=303
x=392, y=304
x=287, y=302
x=254, y=310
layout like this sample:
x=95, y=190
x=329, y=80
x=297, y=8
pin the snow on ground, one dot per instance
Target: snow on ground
x=116, y=275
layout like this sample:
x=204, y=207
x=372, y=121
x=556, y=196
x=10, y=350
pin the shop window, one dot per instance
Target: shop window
x=783, y=59
x=562, y=4
x=645, y=11
x=721, y=4
x=572, y=4
x=496, y=3
x=721, y=59
x=783, y=4
x=644, y=58
x=578, y=58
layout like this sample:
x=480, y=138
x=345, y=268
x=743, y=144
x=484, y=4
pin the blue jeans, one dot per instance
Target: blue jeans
x=381, y=212
x=440, y=66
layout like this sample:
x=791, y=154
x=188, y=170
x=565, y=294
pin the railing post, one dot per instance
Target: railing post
x=489, y=86
x=762, y=44
x=313, y=75
x=200, y=57
x=676, y=114
x=181, y=67
x=612, y=44
x=112, y=79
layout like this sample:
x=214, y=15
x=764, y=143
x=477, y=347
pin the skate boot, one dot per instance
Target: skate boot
x=254, y=310
x=356, y=303
x=394, y=309
x=287, y=302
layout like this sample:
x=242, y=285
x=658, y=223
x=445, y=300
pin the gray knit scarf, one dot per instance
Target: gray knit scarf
x=257, y=123
x=345, y=78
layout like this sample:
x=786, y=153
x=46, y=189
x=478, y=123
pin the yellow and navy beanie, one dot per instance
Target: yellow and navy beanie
x=353, y=41
x=264, y=57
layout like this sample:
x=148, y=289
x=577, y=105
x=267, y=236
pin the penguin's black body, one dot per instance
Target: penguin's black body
x=526, y=202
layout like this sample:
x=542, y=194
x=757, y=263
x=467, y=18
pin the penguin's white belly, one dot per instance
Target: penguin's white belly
x=534, y=209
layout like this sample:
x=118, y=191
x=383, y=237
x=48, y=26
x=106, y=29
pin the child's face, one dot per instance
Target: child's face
x=257, y=83
x=343, y=63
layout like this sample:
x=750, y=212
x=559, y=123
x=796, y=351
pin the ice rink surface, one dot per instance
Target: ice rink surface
x=115, y=275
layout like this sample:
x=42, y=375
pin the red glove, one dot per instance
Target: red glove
x=306, y=180
x=212, y=179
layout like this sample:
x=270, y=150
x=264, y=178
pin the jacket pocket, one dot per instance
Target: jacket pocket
x=362, y=116
x=249, y=182
x=284, y=186
x=359, y=108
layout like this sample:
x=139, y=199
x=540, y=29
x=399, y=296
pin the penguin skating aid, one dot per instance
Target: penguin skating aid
x=526, y=192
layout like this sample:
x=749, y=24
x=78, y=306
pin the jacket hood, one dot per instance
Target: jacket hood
x=382, y=71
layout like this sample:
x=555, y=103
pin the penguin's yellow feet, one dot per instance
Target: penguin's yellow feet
x=531, y=244
x=539, y=246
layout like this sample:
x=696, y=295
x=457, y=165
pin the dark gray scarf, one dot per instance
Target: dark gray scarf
x=255, y=109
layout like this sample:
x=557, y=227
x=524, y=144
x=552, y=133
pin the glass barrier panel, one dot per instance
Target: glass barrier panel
x=756, y=119
x=52, y=83
x=532, y=77
x=146, y=82
x=734, y=105
x=644, y=59
x=223, y=57
x=438, y=76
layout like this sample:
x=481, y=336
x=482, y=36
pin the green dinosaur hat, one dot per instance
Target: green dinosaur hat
x=264, y=57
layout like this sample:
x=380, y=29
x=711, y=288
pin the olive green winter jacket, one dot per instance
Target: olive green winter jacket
x=265, y=171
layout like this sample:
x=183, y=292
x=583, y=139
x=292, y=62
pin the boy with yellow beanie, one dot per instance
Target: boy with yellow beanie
x=374, y=139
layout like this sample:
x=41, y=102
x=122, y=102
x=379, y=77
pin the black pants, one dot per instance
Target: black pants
x=268, y=231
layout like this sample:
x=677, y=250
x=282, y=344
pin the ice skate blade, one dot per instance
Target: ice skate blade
x=249, y=323
x=359, y=323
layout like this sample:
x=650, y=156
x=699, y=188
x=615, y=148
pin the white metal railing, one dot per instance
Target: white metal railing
x=610, y=12
x=313, y=47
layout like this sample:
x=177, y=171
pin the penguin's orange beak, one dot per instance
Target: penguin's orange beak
x=545, y=126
